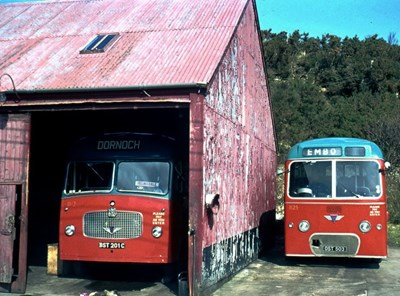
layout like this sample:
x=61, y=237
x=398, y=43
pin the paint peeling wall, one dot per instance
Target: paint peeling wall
x=239, y=156
x=14, y=165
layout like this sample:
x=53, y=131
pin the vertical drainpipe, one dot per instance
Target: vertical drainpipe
x=191, y=261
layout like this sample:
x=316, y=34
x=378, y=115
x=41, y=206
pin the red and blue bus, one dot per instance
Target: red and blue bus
x=335, y=199
x=124, y=200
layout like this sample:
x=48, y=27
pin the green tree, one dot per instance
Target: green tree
x=327, y=86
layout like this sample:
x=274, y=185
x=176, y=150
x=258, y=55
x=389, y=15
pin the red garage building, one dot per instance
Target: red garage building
x=190, y=70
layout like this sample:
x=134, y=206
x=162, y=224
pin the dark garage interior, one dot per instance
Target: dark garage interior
x=51, y=134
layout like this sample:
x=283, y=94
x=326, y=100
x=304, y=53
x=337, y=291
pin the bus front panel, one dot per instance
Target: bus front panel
x=116, y=229
x=332, y=229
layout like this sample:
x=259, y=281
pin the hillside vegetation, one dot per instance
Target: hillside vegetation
x=329, y=86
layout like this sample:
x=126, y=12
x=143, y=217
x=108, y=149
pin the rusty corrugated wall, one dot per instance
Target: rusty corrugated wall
x=239, y=161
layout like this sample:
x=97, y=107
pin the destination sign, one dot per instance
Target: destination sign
x=118, y=145
x=321, y=151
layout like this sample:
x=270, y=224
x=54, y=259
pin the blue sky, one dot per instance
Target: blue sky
x=342, y=18
x=337, y=17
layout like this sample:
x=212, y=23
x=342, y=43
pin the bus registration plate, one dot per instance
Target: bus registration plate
x=107, y=245
x=334, y=249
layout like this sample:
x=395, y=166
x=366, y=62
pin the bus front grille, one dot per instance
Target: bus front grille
x=123, y=225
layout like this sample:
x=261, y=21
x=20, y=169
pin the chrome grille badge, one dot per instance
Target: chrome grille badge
x=111, y=229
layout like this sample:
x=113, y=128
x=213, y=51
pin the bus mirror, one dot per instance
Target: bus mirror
x=279, y=172
x=387, y=165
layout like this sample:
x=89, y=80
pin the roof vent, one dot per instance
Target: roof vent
x=100, y=43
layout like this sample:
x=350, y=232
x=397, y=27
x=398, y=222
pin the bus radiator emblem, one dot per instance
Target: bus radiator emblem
x=112, y=212
x=111, y=229
x=333, y=217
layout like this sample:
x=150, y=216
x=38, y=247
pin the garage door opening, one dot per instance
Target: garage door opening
x=52, y=134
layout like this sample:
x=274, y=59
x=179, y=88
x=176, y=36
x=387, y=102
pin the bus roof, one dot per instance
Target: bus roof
x=335, y=147
x=123, y=145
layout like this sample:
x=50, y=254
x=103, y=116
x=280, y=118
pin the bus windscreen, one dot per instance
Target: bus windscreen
x=89, y=177
x=351, y=179
x=148, y=177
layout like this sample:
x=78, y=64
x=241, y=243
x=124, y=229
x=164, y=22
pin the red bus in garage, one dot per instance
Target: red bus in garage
x=124, y=200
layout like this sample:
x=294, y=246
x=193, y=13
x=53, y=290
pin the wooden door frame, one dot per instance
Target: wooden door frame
x=15, y=135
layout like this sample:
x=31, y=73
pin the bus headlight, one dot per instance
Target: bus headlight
x=69, y=230
x=365, y=226
x=304, y=226
x=156, y=231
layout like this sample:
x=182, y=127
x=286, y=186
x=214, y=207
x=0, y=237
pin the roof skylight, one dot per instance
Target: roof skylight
x=100, y=43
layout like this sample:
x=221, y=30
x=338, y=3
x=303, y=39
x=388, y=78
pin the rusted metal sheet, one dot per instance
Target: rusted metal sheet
x=161, y=42
x=76, y=102
x=14, y=156
x=239, y=157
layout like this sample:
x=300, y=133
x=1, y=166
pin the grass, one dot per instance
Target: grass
x=394, y=235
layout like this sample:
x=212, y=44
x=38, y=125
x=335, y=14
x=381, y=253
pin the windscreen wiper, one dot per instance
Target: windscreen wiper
x=94, y=170
x=351, y=191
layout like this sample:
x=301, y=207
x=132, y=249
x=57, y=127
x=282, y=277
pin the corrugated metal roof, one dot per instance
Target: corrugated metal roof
x=162, y=42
